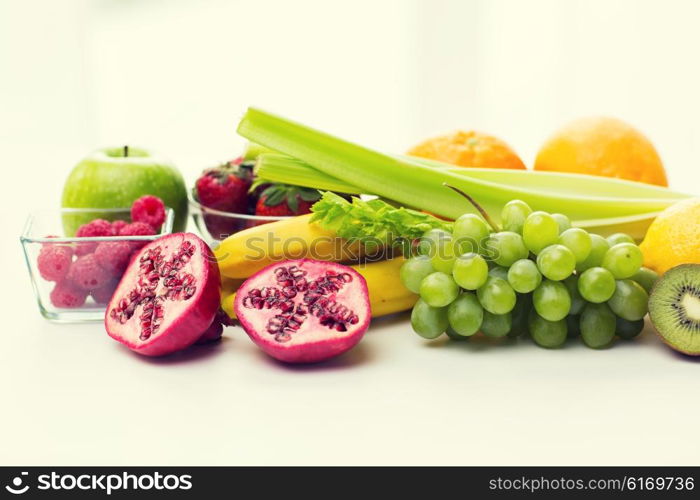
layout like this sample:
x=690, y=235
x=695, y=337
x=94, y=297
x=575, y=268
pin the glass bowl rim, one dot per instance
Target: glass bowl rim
x=233, y=215
x=27, y=238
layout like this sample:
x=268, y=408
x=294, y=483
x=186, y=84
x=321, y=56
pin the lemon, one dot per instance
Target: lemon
x=674, y=237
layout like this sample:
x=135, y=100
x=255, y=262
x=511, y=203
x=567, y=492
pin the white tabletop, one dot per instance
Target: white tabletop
x=74, y=396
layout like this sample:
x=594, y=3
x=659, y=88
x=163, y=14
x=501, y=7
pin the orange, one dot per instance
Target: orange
x=602, y=146
x=468, y=149
x=674, y=237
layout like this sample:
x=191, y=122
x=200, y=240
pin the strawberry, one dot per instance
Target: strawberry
x=280, y=200
x=225, y=187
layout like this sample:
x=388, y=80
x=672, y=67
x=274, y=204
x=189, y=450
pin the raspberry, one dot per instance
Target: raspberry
x=97, y=227
x=113, y=256
x=54, y=261
x=85, y=248
x=137, y=229
x=66, y=294
x=117, y=226
x=149, y=209
x=86, y=273
x=104, y=294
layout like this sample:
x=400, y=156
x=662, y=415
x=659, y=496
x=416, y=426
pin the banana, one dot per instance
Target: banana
x=228, y=293
x=387, y=294
x=230, y=284
x=247, y=252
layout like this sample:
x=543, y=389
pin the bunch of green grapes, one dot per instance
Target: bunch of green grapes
x=538, y=275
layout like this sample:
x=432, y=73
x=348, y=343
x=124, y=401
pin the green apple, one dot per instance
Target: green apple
x=115, y=177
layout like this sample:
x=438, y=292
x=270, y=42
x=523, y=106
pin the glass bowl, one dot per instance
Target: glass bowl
x=216, y=226
x=43, y=235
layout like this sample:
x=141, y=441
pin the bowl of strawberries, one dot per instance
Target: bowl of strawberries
x=228, y=198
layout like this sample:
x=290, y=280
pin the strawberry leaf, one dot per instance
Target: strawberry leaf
x=273, y=196
x=310, y=194
x=293, y=202
x=278, y=193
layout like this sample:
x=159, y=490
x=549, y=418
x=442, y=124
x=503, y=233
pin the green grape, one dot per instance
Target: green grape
x=444, y=256
x=524, y=276
x=550, y=334
x=623, y=260
x=597, y=326
x=599, y=246
x=577, y=301
x=596, y=285
x=429, y=322
x=573, y=325
x=469, y=233
x=578, y=241
x=551, y=300
x=514, y=214
x=556, y=262
x=414, y=270
x=438, y=289
x=539, y=231
x=616, y=238
x=646, y=277
x=519, y=314
x=496, y=325
x=506, y=247
x=563, y=222
x=496, y=296
x=628, y=330
x=499, y=272
x=428, y=242
x=630, y=300
x=465, y=314
x=470, y=271
x=454, y=335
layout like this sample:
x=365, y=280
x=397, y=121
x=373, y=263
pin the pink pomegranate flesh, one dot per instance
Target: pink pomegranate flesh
x=303, y=311
x=167, y=297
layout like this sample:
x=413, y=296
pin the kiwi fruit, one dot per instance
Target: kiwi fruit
x=674, y=308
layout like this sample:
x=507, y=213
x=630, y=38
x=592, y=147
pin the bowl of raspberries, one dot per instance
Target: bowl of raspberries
x=228, y=198
x=74, y=276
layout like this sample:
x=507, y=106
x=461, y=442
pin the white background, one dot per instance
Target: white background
x=175, y=76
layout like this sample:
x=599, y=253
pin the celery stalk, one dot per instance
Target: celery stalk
x=373, y=172
x=411, y=183
x=282, y=168
x=286, y=170
x=559, y=182
x=253, y=151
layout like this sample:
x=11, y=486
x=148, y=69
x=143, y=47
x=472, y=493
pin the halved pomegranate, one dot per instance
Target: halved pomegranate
x=303, y=311
x=167, y=297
